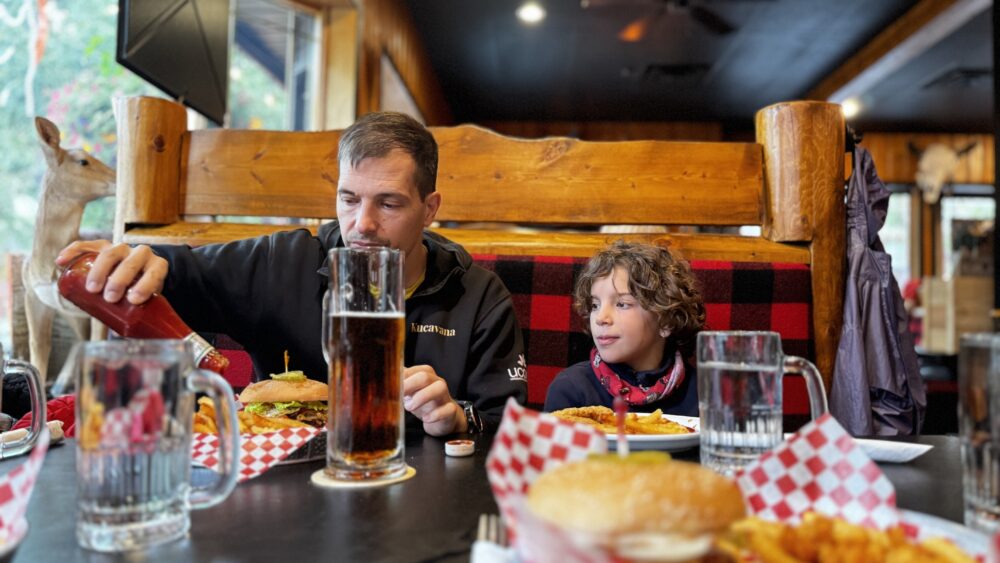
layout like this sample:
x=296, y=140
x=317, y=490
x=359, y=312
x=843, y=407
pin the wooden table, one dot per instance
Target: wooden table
x=280, y=516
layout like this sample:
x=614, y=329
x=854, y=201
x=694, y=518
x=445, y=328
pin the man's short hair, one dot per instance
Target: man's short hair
x=377, y=134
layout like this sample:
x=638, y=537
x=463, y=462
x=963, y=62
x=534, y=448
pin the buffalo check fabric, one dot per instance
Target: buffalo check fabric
x=258, y=452
x=737, y=295
x=822, y=469
x=16, y=487
x=526, y=444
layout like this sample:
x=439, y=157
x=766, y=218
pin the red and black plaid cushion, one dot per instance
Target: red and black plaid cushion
x=738, y=296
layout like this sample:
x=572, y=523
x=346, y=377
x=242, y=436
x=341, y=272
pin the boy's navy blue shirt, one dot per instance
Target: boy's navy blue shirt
x=577, y=386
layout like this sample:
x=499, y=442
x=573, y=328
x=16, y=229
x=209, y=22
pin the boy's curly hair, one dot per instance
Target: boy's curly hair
x=662, y=284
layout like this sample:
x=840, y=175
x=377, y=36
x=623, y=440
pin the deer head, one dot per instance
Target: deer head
x=73, y=173
x=937, y=167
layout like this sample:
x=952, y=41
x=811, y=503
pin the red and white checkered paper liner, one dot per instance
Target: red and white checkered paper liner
x=16, y=487
x=527, y=443
x=258, y=452
x=820, y=468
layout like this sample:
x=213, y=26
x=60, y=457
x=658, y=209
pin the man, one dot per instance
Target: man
x=463, y=340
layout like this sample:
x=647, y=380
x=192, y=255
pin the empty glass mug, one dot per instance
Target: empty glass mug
x=979, y=429
x=740, y=395
x=134, y=411
x=363, y=324
x=11, y=367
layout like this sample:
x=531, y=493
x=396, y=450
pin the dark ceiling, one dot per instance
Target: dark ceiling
x=572, y=66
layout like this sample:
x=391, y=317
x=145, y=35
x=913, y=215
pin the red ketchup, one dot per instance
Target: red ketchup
x=153, y=319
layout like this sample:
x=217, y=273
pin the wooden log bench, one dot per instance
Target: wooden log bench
x=790, y=183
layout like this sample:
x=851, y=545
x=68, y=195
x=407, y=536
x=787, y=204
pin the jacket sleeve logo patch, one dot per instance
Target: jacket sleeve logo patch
x=414, y=327
x=520, y=371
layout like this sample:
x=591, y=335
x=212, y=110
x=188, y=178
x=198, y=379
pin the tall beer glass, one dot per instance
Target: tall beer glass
x=363, y=328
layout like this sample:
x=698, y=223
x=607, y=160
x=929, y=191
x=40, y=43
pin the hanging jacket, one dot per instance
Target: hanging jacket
x=877, y=388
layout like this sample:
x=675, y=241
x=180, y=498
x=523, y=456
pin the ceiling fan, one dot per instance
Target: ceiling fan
x=697, y=10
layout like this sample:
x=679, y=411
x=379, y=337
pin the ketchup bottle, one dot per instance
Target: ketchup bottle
x=153, y=319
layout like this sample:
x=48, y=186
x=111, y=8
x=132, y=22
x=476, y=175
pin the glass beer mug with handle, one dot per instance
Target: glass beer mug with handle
x=11, y=367
x=134, y=411
x=740, y=395
x=363, y=324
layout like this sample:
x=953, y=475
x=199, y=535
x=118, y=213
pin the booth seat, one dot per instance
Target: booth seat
x=738, y=296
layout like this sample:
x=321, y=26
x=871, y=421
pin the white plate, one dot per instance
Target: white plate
x=666, y=442
x=887, y=451
x=972, y=542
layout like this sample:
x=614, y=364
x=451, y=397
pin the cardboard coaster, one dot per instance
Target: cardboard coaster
x=321, y=479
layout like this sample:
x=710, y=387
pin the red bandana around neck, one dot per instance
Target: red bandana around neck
x=637, y=394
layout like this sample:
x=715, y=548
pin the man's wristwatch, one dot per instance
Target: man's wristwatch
x=474, y=423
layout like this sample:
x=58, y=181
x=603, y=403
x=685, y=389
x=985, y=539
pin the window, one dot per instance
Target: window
x=69, y=75
x=895, y=233
x=966, y=224
x=273, y=76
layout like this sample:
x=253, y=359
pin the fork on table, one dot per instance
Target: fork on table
x=491, y=529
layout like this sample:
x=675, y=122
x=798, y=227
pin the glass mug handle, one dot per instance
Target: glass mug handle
x=326, y=326
x=229, y=437
x=38, y=414
x=814, y=384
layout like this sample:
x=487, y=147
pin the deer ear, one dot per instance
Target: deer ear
x=47, y=132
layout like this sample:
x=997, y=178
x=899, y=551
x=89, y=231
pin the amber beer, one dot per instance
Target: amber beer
x=363, y=319
x=366, y=374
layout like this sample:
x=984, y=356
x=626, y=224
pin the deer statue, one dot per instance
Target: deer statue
x=72, y=179
x=937, y=167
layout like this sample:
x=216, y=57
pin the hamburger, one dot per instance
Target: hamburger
x=289, y=394
x=643, y=507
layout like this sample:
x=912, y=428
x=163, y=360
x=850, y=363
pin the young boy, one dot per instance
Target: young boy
x=644, y=312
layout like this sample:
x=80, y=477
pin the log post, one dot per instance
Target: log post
x=803, y=145
x=151, y=134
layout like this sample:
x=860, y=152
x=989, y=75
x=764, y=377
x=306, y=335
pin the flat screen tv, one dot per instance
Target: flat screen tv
x=179, y=46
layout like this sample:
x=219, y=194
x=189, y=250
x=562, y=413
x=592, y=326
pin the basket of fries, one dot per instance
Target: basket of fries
x=252, y=424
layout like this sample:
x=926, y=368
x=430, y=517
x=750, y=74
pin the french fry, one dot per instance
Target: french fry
x=206, y=407
x=200, y=419
x=604, y=419
x=831, y=540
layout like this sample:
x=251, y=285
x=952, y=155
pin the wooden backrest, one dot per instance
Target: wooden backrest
x=790, y=183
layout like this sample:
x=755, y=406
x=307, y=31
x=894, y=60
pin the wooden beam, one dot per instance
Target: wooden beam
x=339, y=68
x=581, y=245
x=915, y=32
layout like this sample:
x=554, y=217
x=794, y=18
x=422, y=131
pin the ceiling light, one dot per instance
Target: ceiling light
x=531, y=13
x=850, y=107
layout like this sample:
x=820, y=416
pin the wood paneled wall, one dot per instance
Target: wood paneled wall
x=896, y=163
x=611, y=130
x=386, y=27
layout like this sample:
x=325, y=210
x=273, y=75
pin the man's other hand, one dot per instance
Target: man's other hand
x=426, y=395
x=116, y=267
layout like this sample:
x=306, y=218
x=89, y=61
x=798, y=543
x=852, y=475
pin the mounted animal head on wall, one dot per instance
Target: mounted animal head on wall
x=937, y=167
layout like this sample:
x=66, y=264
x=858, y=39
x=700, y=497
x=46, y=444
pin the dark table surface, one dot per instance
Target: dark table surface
x=281, y=516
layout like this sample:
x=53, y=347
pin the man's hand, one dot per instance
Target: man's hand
x=116, y=267
x=426, y=396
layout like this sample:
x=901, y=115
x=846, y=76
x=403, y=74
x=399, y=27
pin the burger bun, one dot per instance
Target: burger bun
x=277, y=391
x=641, y=508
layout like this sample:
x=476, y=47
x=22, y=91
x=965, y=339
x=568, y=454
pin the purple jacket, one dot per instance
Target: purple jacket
x=877, y=388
